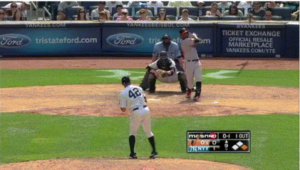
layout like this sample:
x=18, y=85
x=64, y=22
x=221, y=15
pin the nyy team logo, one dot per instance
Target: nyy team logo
x=13, y=40
x=125, y=40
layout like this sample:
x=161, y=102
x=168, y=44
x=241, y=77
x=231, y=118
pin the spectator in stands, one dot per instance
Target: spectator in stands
x=291, y=4
x=257, y=9
x=81, y=15
x=101, y=7
x=185, y=16
x=223, y=5
x=268, y=16
x=162, y=16
x=214, y=10
x=295, y=15
x=112, y=4
x=24, y=7
x=180, y=4
x=103, y=16
x=62, y=9
x=119, y=12
x=133, y=5
x=155, y=5
x=2, y=15
x=8, y=6
x=271, y=4
x=148, y=12
x=8, y=14
x=143, y=15
x=200, y=6
x=17, y=16
x=124, y=16
x=246, y=5
x=233, y=11
x=13, y=8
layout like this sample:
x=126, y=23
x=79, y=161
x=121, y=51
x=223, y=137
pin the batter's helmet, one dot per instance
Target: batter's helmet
x=125, y=80
x=183, y=30
x=166, y=36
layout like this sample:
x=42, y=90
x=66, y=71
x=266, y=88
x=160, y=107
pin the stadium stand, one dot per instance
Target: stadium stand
x=284, y=12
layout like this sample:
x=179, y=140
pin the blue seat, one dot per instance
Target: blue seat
x=171, y=17
x=113, y=11
x=170, y=10
x=88, y=4
x=284, y=12
x=91, y=8
x=208, y=18
x=207, y=3
x=233, y=18
x=276, y=18
x=192, y=10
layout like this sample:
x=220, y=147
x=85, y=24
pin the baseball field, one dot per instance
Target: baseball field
x=63, y=113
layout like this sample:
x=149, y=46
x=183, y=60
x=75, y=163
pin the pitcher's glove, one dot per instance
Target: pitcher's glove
x=161, y=73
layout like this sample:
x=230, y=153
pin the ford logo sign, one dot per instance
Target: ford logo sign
x=125, y=40
x=13, y=40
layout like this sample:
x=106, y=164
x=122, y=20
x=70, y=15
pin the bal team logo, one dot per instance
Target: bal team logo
x=13, y=40
x=125, y=40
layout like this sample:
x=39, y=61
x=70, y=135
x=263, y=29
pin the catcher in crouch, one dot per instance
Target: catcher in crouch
x=164, y=70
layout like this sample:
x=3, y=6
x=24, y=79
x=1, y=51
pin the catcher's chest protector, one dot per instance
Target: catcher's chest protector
x=164, y=64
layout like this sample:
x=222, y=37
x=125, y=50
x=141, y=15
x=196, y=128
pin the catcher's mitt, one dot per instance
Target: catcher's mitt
x=161, y=73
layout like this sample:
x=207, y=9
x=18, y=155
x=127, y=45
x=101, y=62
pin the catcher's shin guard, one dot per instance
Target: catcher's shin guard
x=182, y=81
x=145, y=83
x=198, y=88
x=152, y=82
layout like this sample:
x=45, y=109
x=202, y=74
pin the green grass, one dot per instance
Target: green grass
x=43, y=77
x=32, y=136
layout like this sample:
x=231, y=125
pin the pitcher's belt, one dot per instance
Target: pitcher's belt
x=137, y=108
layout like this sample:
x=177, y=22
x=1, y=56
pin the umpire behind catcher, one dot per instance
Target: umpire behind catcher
x=171, y=48
x=173, y=51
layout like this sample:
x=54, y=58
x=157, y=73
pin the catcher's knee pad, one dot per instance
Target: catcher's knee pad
x=181, y=76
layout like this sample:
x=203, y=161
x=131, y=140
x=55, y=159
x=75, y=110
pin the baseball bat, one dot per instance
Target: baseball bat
x=243, y=66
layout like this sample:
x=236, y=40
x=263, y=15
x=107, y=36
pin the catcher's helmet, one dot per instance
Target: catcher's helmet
x=125, y=80
x=166, y=36
x=163, y=54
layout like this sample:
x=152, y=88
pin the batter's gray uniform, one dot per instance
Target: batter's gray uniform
x=192, y=64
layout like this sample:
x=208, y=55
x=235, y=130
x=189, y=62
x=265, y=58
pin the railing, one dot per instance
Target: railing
x=46, y=10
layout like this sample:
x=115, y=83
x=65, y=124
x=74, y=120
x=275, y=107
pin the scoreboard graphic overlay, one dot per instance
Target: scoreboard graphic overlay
x=218, y=141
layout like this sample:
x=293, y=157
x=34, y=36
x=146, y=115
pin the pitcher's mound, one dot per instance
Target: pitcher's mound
x=124, y=164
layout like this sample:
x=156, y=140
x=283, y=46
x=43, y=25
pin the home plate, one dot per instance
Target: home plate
x=154, y=99
x=215, y=102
